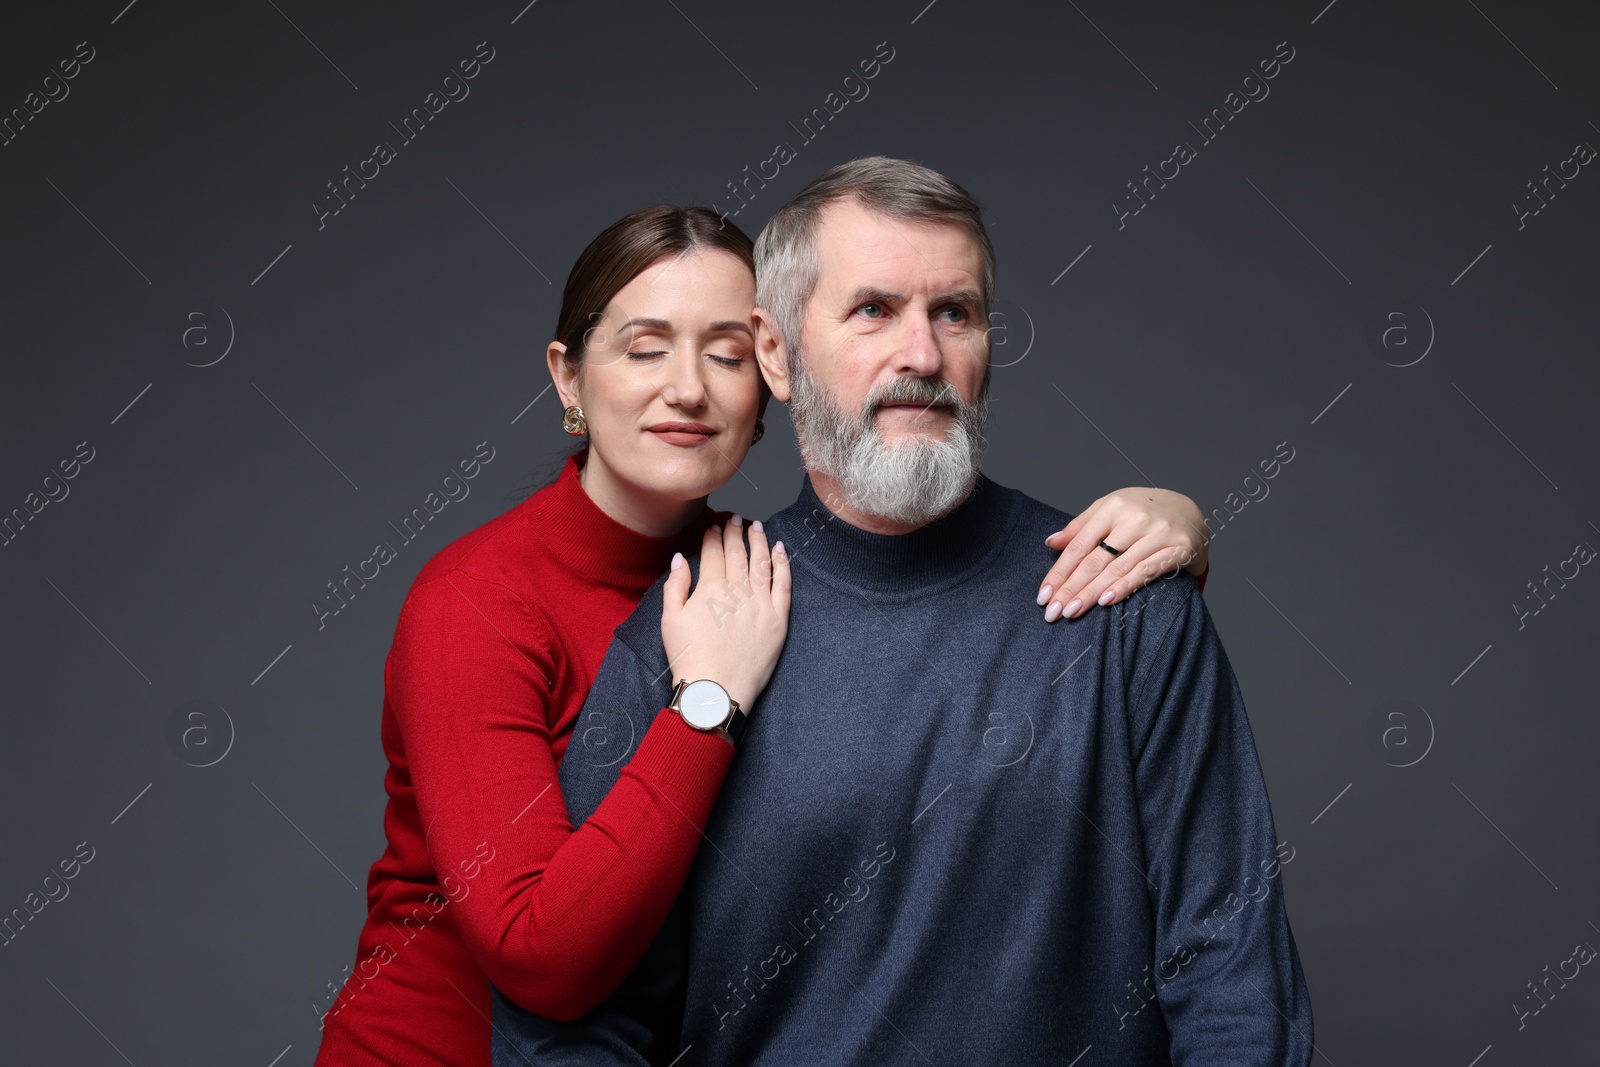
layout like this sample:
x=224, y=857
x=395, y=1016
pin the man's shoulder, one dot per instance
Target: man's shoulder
x=1150, y=610
x=1032, y=514
x=641, y=630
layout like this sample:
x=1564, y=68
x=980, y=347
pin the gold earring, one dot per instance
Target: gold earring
x=573, y=422
x=761, y=430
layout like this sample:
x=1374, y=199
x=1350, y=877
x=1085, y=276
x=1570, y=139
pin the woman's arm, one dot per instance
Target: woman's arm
x=559, y=917
x=555, y=918
x=1155, y=532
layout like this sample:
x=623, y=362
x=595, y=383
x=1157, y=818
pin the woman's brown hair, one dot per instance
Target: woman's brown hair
x=625, y=249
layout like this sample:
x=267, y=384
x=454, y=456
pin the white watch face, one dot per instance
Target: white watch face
x=704, y=705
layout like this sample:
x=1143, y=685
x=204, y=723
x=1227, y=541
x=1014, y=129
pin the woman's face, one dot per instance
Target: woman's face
x=669, y=383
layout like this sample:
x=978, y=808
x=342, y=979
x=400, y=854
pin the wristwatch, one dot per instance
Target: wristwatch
x=707, y=707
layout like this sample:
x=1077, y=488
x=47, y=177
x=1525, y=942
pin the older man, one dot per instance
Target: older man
x=954, y=834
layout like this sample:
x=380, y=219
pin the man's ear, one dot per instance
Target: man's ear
x=565, y=377
x=771, y=354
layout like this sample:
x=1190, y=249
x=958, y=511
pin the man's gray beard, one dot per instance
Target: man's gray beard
x=915, y=481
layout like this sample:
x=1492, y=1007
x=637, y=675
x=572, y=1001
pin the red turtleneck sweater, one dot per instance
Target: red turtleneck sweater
x=498, y=643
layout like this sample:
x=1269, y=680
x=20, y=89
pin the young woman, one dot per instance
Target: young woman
x=502, y=633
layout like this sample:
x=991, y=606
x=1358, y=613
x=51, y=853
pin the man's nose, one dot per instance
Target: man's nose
x=920, y=353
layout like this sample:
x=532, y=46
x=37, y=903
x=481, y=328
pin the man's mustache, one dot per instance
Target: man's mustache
x=908, y=390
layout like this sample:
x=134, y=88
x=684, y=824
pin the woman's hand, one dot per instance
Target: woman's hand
x=732, y=627
x=1156, y=532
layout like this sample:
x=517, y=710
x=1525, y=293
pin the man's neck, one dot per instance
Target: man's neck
x=892, y=559
x=833, y=498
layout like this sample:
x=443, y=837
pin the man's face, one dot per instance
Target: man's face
x=887, y=388
x=896, y=299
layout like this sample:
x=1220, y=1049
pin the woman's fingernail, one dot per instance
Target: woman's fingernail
x=677, y=560
x=735, y=521
x=1073, y=609
x=1053, y=612
x=778, y=549
x=1105, y=598
x=715, y=528
x=1044, y=596
x=755, y=527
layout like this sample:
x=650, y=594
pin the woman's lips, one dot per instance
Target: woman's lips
x=682, y=434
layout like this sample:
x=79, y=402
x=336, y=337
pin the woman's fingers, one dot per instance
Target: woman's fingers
x=1081, y=562
x=733, y=628
x=782, y=581
x=735, y=562
x=675, y=591
x=1153, y=532
x=1134, y=569
x=1073, y=594
x=1061, y=537
x=732, y=576
x=1056, y=578
x=711, y=563
x=760, y=561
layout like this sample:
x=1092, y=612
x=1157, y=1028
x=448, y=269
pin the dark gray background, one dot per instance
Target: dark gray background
x=1179, y=350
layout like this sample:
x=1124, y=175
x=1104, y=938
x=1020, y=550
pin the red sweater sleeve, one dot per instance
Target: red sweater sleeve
x=558, y=918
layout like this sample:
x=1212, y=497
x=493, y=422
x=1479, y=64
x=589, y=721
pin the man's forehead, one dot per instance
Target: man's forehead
x=856, y=245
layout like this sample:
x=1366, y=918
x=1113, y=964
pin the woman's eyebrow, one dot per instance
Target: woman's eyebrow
x=730, y=326
x=646, y=325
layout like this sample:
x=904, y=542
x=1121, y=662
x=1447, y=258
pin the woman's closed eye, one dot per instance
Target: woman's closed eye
x=715, y=357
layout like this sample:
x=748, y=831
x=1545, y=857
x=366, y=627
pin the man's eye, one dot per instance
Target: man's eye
x=871, y=311
x=957, y=314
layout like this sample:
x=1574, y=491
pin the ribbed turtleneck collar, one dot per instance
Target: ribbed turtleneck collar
x=943, y=552
x=571, y=527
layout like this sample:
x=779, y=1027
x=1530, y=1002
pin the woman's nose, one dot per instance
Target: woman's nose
x=685, y=386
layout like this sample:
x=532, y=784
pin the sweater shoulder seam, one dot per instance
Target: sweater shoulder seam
x=539, y=622
x=1161, y=644
x=623, y=635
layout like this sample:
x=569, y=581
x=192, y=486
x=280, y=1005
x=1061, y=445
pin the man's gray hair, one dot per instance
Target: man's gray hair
x=787, y=264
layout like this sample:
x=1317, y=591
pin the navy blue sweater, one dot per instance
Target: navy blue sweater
x=956, y=834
